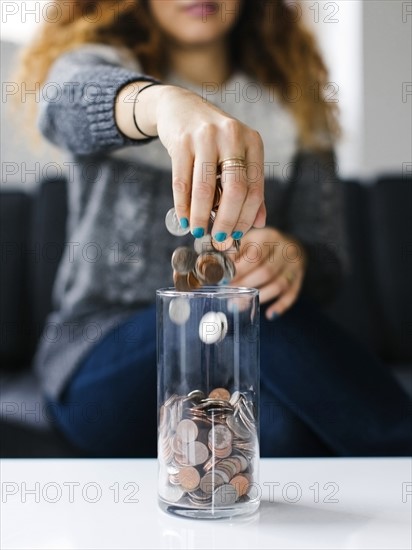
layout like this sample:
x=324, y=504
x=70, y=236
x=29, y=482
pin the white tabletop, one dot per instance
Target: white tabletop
x=110, y=504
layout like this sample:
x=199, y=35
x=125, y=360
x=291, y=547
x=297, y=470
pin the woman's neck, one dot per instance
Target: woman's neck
x=201, y=64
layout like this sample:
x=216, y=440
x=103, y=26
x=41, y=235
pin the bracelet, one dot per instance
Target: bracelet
x=134, y=109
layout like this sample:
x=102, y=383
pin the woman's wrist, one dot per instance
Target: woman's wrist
x=133, y=112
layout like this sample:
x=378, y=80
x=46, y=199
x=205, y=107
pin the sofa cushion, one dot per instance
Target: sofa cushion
x=48, y=232
x=354, y=307
x=15, y=210
x=391, y=221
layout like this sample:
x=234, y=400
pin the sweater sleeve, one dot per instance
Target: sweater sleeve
x=316, y=218
x=76, y=109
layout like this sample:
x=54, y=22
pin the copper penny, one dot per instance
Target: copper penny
x=192, y=281
x=241, y=484
x=189, y=478
x=220, y=393
x=181, y=282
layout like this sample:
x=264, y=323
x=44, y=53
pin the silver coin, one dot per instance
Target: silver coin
x=196, y=395
x=204, y=244
x=171, y=493
x=235, y=397
x=225, y=495
x=187, y=431
x=223, y=474
x=243, y=461
x=220, y=437
x=237, y=426
x=179, y=310
x=210, y=482
x=183, y=260
x=213, y=327
x=173, y=224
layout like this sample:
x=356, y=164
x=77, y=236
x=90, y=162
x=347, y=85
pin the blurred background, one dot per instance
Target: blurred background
x=367, y=46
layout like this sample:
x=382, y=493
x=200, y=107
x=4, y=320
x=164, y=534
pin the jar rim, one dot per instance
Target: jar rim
x=209, y=292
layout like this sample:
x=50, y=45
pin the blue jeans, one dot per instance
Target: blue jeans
x=322, y=394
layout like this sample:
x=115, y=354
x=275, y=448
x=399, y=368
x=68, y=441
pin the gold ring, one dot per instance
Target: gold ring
x=238, y=159
x=232, y=162
x=290, y=277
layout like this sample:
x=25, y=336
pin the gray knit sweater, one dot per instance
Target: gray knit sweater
x=119, y=191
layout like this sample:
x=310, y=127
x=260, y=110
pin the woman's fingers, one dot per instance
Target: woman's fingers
x=182, y=174
x=235, y=188
x=204, y=183
x=274, y=289
x=260, y=220
x=292, y=282
x=256, y=277
x=253, y=210
x=242, y=180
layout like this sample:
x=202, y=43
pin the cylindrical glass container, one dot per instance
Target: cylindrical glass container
x=208, y=401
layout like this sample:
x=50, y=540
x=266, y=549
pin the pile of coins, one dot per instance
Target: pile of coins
x=206, y=264
x=206, y=448
x=192, y=270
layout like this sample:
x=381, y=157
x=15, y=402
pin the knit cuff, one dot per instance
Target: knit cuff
x=99, y=96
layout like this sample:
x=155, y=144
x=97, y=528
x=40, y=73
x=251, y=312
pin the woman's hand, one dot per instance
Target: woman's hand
x=198, y=137
x=275, y=264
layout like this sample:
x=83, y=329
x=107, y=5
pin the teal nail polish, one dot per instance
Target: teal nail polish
x=184, y=223
x=198, y=232
x=237, y=235
x=274, y=316
x=220, y=237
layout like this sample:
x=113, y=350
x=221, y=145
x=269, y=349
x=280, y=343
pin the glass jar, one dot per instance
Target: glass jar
x=208, y=401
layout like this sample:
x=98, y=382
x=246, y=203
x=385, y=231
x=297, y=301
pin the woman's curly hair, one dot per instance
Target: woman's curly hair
x=269, y=42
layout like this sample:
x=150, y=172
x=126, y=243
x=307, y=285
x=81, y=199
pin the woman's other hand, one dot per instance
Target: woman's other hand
x=275, y=264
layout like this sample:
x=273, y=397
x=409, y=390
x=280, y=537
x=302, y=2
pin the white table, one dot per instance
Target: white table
x=108, y=504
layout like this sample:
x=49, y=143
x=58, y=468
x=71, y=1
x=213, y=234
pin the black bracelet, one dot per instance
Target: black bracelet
x=134, y=109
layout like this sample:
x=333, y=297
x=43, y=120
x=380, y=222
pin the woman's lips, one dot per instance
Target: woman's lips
x=201, y=9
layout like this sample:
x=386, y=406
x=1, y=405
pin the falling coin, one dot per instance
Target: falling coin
x=204, y=244
x=179, y=310
x=209, y=268
x=184, y=259
x=180, y=282
x=213, y=327
x=173, y=224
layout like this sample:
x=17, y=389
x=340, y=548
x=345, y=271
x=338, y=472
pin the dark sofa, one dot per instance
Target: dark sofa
x=375, y=303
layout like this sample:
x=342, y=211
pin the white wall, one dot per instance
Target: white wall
x=367, y=47
x=387, y=48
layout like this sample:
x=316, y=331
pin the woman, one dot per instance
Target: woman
x=258, y=67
